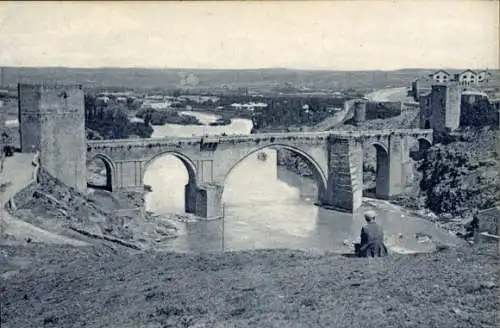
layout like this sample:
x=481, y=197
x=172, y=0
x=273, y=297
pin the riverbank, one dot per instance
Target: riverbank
x=95, y=287
x=166, y=116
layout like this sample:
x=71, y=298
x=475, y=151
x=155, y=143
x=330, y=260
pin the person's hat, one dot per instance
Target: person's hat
x=370, y=214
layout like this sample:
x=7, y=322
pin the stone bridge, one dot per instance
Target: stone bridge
x=336, y=158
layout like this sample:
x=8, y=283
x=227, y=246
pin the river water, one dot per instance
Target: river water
x=270, y=207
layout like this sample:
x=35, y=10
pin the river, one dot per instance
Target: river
x=270, y=207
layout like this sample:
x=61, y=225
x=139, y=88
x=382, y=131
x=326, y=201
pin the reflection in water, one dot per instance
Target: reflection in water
x=267, y=207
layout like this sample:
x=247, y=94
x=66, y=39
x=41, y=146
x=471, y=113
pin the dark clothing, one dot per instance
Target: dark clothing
x=372, y=241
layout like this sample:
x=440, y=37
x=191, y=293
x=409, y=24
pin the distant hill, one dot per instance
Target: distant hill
x=257, y=79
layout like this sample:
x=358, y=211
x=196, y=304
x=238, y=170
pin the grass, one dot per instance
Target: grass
x=91, y=287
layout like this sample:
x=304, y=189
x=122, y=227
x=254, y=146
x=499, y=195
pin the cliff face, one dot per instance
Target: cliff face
x=460, y=175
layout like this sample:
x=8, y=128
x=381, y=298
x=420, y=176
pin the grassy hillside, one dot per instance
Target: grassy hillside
x=70, y=287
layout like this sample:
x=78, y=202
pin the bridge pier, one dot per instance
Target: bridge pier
x=190, y=194
x=406, y=164
x=395, y=174
x=209, y=201
x=203, y=201
x=345, y=178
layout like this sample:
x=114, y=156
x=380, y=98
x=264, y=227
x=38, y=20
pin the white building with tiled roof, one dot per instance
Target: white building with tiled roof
x=440, y=76
x=467, y=77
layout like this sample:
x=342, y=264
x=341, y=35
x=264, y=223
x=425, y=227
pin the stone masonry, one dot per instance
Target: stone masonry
x=52, y=120
x=345, y=180
x=440, y=109
x=336, y=159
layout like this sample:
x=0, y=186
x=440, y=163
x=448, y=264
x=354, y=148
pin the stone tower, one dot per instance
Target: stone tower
x=359, y=111
x=440, y=109
x=415, y=89
x=445, y=107
x=52, y=119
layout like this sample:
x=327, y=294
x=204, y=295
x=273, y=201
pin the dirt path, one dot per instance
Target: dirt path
x=16, y=175
x=391, y=94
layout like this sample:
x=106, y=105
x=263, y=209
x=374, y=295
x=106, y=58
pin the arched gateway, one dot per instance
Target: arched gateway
x=335, y=158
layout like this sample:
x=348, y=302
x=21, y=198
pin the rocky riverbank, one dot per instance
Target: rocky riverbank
x=116, y=217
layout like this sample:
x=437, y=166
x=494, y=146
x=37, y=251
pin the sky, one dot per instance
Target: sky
x=336, y=35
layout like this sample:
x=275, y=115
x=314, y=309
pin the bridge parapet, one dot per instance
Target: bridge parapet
x=202, y=147
x=273, y=137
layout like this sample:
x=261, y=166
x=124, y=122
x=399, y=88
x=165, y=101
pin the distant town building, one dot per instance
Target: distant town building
x=121, y=99
x=103, y=99
x=467, y=77
x=441, y=76
x=483, y=76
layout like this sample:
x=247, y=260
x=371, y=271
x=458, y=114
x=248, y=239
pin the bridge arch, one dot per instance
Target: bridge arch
x=319, y=175
x=382, y=168
x=379, y=146
x=110, y=171
x=420, y=145
x=188, y=163
x=423, y=143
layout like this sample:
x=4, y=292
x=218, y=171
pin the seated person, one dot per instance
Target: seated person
x=372, y=238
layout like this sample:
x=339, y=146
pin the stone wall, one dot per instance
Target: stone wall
x=382, y=110
x=476, y=110
x=489, y=220
x=29, y=116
